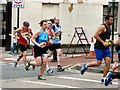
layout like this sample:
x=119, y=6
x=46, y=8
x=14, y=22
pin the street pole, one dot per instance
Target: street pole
x=17, y=23
x=112, y=47
x=18, y=17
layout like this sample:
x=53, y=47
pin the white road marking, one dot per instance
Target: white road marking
x=9, y=59
x=18, y=65
x=87, y=80
x=11, y=63
x=2, y=63
x=50, y=84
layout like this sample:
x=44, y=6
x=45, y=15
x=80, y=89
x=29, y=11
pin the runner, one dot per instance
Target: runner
x=56, y=44
x=40, y=40
x=25, y=34
x=54, y=52
x=51, y=36
x=102, y=50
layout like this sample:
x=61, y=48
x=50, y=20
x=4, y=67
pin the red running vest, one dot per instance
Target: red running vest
x=23, y=36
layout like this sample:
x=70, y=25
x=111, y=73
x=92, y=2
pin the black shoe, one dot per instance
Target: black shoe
x=15, y=64
x=27, y=66
x=33, y=67
x=60, y=69
x=41, y=78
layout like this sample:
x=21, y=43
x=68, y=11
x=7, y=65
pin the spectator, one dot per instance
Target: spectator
x=14, y=47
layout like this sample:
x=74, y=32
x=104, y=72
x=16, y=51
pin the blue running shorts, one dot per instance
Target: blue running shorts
x=102, y=53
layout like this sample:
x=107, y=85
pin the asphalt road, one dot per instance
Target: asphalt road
x=19, y=78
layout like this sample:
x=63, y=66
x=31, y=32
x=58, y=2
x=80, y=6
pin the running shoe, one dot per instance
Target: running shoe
x=33, y=67
x=108, y=79
x=15, y=64
x=41, y=78
x=49, y=71
x=27, y=66
x=102, y=80
x=60, y=69
x=83, y=69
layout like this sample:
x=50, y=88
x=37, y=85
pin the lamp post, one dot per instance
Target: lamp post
x=113, y=11
x=18, y=10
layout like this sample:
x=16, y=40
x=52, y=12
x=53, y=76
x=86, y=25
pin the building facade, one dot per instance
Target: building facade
x=88, y=14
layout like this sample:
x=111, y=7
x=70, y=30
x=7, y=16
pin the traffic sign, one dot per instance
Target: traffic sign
x=18, y=3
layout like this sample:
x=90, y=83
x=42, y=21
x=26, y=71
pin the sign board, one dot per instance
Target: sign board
x=18, y=3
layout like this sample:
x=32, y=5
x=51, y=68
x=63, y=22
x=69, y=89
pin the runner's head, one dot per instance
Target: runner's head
x=26, y=24
x=49, y=23
x=109, y=19
x=43, y=24
x=56, y=20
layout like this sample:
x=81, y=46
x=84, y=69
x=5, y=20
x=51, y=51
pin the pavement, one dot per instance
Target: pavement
x=69, y=62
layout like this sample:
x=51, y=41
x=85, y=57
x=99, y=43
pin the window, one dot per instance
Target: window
x=109, y=9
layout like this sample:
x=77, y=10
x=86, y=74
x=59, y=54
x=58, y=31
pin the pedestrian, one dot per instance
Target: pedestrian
x=56, y=43
x=14, y=46
x=117, y=47
x=25, y=34
x=102, y=50
x=40, y=40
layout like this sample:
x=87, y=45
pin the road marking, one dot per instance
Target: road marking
x=10, y=63
x=50, y=84
x=9, y=59
x=2, y=63
x=17, y=65
x=87, y=80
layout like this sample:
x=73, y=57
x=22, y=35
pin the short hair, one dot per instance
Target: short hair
x=41, y=22
x=26, y=23
x=108, y=17
x=52, y=20
x=56, y=18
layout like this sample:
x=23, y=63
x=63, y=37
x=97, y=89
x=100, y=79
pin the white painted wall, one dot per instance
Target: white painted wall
x=88, y=15
x=50, y=10
x=119, y=19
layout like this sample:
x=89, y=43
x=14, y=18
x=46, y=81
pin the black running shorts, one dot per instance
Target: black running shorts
x=22, y=47
x=54, y=46
x=37, y=51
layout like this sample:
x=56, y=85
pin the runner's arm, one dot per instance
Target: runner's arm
x=31, y=33
x=34, y=36
x=100, y=30
x=15, y=31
